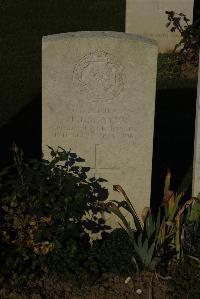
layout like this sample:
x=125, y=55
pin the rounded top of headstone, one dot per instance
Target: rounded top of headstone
x=100, y=34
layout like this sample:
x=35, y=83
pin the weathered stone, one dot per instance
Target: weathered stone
x=148, y=18
x=98, y=100
x=196, y=160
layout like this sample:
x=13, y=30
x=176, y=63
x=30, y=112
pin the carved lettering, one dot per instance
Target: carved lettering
x=86, y=125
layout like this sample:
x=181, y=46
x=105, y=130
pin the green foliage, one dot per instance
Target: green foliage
x=194, y=215
x=145, y=243
x=145, y=250
x=144, y=237
x=191, y=244
x=177, y=212
x=185, y=280
x=189, y=44
x=44, y=224
x=112, y=254
x=157, y=239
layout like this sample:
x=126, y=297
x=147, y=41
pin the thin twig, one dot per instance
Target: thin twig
x=163, y=277
x=151, y=287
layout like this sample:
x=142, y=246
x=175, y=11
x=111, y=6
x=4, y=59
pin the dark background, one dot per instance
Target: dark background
x=22, y=25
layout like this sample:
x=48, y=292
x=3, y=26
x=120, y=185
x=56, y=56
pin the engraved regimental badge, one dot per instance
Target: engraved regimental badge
x=98, y=76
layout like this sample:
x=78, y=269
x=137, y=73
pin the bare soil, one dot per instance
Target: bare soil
x=108, y=287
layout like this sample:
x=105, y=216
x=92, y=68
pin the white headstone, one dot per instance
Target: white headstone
x=98, y=99
x=196, y=160
x=148, y=18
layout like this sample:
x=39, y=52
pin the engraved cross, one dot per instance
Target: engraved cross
x=98, y=167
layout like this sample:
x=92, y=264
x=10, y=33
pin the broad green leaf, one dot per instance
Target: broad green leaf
x=158, y=224
x=130, y=208
x=127, y=226
x=194, y=214
x=149, y=225
x=167, y=183
x=175, y=208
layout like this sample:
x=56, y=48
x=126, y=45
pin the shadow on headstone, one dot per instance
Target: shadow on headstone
x=173, y=136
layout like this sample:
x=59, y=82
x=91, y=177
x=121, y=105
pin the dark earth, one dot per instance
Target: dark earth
x=108, y=287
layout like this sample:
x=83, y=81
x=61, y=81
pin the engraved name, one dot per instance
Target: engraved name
x=109, y=127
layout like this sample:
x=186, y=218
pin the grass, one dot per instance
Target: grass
x=169, y=73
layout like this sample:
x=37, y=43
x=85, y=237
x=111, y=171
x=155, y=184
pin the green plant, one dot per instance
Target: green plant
x=189, y=44
x=185, y=280
x=112, y=253
x=144, y=236
x=157, y=239
x=44, y=228
x=191, y=241
x=177, y=212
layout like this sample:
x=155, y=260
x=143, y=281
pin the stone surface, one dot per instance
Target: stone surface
x=196, y=160
x=98, y=99
x=148, y=18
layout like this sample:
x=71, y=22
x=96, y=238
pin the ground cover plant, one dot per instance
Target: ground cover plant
x=42, y=228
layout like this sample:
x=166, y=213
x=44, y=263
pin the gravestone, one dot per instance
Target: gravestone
x=148, y=18
x=196, y=160
x=98, y=99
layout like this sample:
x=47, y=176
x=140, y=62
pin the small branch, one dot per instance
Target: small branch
x=151, y=287
x=163, y=277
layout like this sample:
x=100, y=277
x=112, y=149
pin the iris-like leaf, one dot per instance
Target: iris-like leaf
x=130, y=208
x=174, y=209
x=114, y=209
